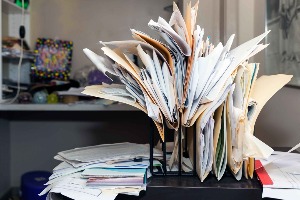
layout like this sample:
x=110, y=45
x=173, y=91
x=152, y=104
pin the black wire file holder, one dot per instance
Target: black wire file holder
x=180, y=154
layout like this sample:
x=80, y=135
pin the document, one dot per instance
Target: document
x=123, y=181
x=69, y=169
x=285, y=175
x=183, y=79
x=101, y=172
x=100, y=62
x=220, y=142
x=264, y=88
x=109, y=93
x=113, y=172
x=107, y=152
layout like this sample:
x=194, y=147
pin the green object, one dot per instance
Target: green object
x=220, y=144
x=19, y=3
x=52, y=98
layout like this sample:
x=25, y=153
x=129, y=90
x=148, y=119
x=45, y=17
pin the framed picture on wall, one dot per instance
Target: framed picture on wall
x=52, y=61
x=283, y=53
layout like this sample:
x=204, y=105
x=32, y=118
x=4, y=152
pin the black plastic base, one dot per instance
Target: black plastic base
x=189, y=187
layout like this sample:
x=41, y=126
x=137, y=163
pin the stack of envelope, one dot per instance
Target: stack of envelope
x=100, y=172
x=185, y=80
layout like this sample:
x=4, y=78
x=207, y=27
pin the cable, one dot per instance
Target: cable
x=22, y=35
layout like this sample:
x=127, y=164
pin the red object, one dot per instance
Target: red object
x=262, y=174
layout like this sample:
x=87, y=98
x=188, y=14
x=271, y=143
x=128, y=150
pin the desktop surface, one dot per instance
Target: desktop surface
x=190, y=187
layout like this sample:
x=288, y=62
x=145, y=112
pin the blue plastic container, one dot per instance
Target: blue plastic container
x=32, y=183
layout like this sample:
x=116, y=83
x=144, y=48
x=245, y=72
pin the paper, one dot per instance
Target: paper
x=100, y=172
x=284, y=194
x=205, y=148
x=72, y=91
x=71, y=170
x=183, y=78
x=264, y=88
x=113, y=172
x=107, y=152
x=284, y=174
x=95, y=91
x=99, y=62
x=123, y=181
x=161, y=48
x=220, y=142
x=75, y=189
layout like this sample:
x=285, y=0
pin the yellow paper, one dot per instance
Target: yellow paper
x=264, y=88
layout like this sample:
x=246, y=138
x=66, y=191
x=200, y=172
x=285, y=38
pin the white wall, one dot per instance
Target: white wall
x=88, y=21
x=4, y=24
x=278, y=123
x=208, y=17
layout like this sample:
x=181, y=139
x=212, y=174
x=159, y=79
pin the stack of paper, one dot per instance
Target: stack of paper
x=186, y=80
x=115, y=176
x=283, y=172
x=100, y=172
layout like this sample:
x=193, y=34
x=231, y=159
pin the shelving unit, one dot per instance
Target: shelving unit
x=66, y=107
x=9, y=7
x=14, y=17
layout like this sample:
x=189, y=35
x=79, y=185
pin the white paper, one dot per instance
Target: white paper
x=107, y=152
x=284, y=194
x=96, y=59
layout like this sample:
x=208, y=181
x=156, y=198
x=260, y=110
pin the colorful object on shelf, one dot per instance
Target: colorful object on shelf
x=20, y=3
x=32, y=183
x=52, y=98
x=67, y=99
x=40, y=97
x=25, y=98
x=52, y=61
x=97, y=77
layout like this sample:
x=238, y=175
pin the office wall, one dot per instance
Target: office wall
x=89, y=21
x=4, y=24
x=278, y=123
x=208, y=17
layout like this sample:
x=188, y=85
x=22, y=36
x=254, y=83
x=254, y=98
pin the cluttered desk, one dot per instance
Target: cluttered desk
x=208, y=95
x=119, y=171
x=116, y=171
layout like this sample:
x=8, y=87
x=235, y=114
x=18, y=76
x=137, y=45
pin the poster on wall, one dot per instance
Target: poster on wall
x=283, y=53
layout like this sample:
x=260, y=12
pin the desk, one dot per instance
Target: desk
x=38, y=132
x=189, y=188
x=186, y=188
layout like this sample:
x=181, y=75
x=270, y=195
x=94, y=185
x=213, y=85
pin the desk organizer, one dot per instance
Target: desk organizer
x=185, y=80
x=181, y=147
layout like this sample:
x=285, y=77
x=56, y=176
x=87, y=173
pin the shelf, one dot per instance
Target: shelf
x=17, y=57
x=66, y=107
x=10, y=54
x=10, y=7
